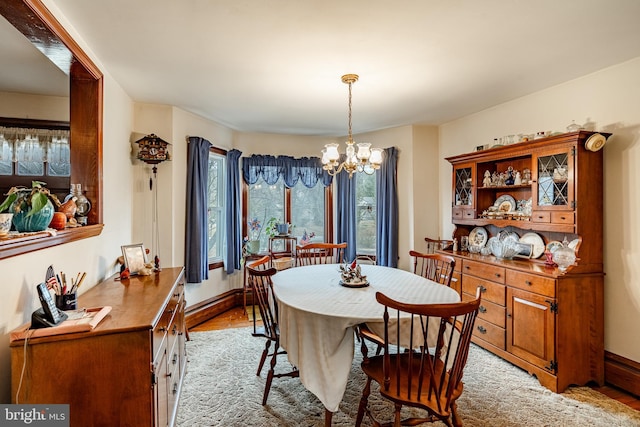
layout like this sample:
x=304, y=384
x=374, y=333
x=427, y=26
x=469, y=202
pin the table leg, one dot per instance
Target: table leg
x=328, y=415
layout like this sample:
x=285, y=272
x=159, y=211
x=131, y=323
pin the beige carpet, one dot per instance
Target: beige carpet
x=222, y=389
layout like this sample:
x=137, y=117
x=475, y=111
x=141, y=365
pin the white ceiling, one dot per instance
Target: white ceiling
x=275, y=66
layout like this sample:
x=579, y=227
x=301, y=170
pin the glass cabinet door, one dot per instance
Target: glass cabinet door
x=463, y=186
x=553, y=187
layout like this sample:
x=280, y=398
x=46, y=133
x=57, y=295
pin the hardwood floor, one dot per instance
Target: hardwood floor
x=235, y=318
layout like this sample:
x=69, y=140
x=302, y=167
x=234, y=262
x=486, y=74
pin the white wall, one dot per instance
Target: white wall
x=608, y=101
x=24, y=106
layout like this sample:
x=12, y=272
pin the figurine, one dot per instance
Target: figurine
x=518, y=180
x=510, y=178
x=487, y=179
x=526, y=176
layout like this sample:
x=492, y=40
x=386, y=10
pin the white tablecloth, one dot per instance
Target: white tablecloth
x=317, y=316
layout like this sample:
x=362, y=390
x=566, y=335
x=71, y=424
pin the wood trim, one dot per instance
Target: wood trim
x=622, y=373
x=44, y=31
x=212, y=307
x=21, y=245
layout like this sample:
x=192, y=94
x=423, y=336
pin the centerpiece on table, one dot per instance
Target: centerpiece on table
x=352, y=276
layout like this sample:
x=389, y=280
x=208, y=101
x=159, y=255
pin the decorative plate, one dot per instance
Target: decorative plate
x=355, y=285
x=595, y=142
x=553, y=245
x=478, y=236
x=505, y=203
x=537, y=242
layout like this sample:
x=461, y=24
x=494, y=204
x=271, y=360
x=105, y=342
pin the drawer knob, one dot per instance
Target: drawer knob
x=482, y=329
x=528, y=282
x=481, y=309
x=497, y=274
x=176, y=295
x=482, y=289
x=162, y=329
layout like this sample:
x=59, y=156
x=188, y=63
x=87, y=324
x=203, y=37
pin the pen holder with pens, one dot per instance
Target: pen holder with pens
x=67, y=301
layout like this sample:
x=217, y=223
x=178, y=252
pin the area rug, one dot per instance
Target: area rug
x=221, y=389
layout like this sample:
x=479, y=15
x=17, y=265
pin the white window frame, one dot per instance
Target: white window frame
x=216, y=156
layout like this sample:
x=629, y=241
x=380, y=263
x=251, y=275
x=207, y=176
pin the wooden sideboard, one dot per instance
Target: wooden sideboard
x=546, y=321
x=128, y=371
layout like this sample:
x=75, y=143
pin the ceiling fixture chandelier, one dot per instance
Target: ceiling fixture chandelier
x=366, y=159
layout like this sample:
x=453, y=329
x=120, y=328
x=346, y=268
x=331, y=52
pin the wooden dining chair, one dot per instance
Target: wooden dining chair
x=437, y=244
x=260, y=263
x=320, y=253
x=436, y=267
x=424, y=367
x=262, y=288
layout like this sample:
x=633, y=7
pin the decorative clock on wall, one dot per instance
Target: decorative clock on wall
x=153, y=149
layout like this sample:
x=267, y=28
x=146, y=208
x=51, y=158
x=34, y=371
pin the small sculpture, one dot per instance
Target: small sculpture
x=487, y=179
x=518, y=180
x=352, y=273
x=510, y=178
x=69, y=208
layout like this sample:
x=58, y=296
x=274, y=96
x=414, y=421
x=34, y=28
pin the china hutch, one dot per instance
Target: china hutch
x=544, y=320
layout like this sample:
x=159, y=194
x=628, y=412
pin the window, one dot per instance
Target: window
x=215, y=207
x=365, y=214
x=35, y=150
x=305, y=208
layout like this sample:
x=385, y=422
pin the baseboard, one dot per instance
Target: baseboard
x=622, y=373
x=208, y=309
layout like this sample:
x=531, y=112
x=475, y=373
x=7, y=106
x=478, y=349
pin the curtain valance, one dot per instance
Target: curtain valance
x=271, y=168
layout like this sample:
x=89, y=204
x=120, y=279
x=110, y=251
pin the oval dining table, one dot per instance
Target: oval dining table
x=317, y=316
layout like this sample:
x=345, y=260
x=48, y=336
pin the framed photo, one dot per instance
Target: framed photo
x=135, y=257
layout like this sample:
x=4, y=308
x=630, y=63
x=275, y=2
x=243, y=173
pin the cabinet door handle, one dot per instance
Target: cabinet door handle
x=482, y=329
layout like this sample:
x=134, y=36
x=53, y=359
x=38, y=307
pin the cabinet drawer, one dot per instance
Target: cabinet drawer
x=485, y=271
x=532, y=283
x=490, y=333
x=562, y=217
x=489, y=291
x=469, y=214
x=489, y=311
x=543, y=216
x=457, y=214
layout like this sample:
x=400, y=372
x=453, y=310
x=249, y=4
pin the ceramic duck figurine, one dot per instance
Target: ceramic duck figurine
x=69, y=208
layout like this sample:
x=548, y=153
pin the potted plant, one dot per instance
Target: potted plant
x=276, y=227
x=253, y=239
x=32, y=208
